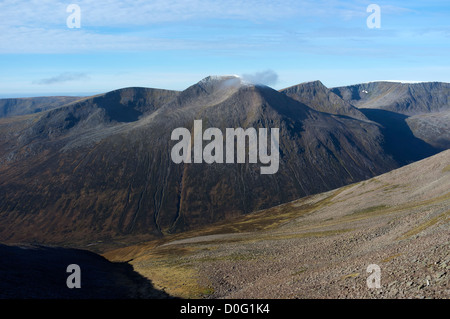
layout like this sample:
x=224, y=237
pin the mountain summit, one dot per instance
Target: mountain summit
x=319, y=97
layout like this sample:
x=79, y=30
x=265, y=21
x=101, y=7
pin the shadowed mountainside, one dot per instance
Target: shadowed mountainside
x=399, y=140
x=433, y=128
x=38, y=272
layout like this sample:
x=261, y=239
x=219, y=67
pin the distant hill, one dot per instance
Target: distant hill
x=23, y=106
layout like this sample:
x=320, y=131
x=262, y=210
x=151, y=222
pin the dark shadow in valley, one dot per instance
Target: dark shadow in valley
x=117, y=111
x=40, y=272
x=399, y=141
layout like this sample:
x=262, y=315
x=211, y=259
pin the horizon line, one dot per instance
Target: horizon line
x=87, y=94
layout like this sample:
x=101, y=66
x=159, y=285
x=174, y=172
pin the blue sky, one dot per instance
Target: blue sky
x=173, y=44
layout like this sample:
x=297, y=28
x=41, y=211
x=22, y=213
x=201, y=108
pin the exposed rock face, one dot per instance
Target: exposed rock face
x=101, y=168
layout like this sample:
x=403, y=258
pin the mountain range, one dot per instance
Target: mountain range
x=98, y=169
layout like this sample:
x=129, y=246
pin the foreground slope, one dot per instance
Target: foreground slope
x=100, y=168
x=319, y=246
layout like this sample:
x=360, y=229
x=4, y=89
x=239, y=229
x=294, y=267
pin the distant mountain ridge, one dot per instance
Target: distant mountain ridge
x=22, y=106
x=425, y=104
x=405, y=98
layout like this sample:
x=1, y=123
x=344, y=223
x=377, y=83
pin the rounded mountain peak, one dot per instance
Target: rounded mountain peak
x=221, y=82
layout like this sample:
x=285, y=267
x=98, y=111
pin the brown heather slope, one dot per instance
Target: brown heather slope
x=319, y=246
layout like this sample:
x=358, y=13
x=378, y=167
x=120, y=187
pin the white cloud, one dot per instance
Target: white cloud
x=114, y=13
x=39, y=26
x=267, y=77
x=63, y=77
x=138, y=13
x=72, y=41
